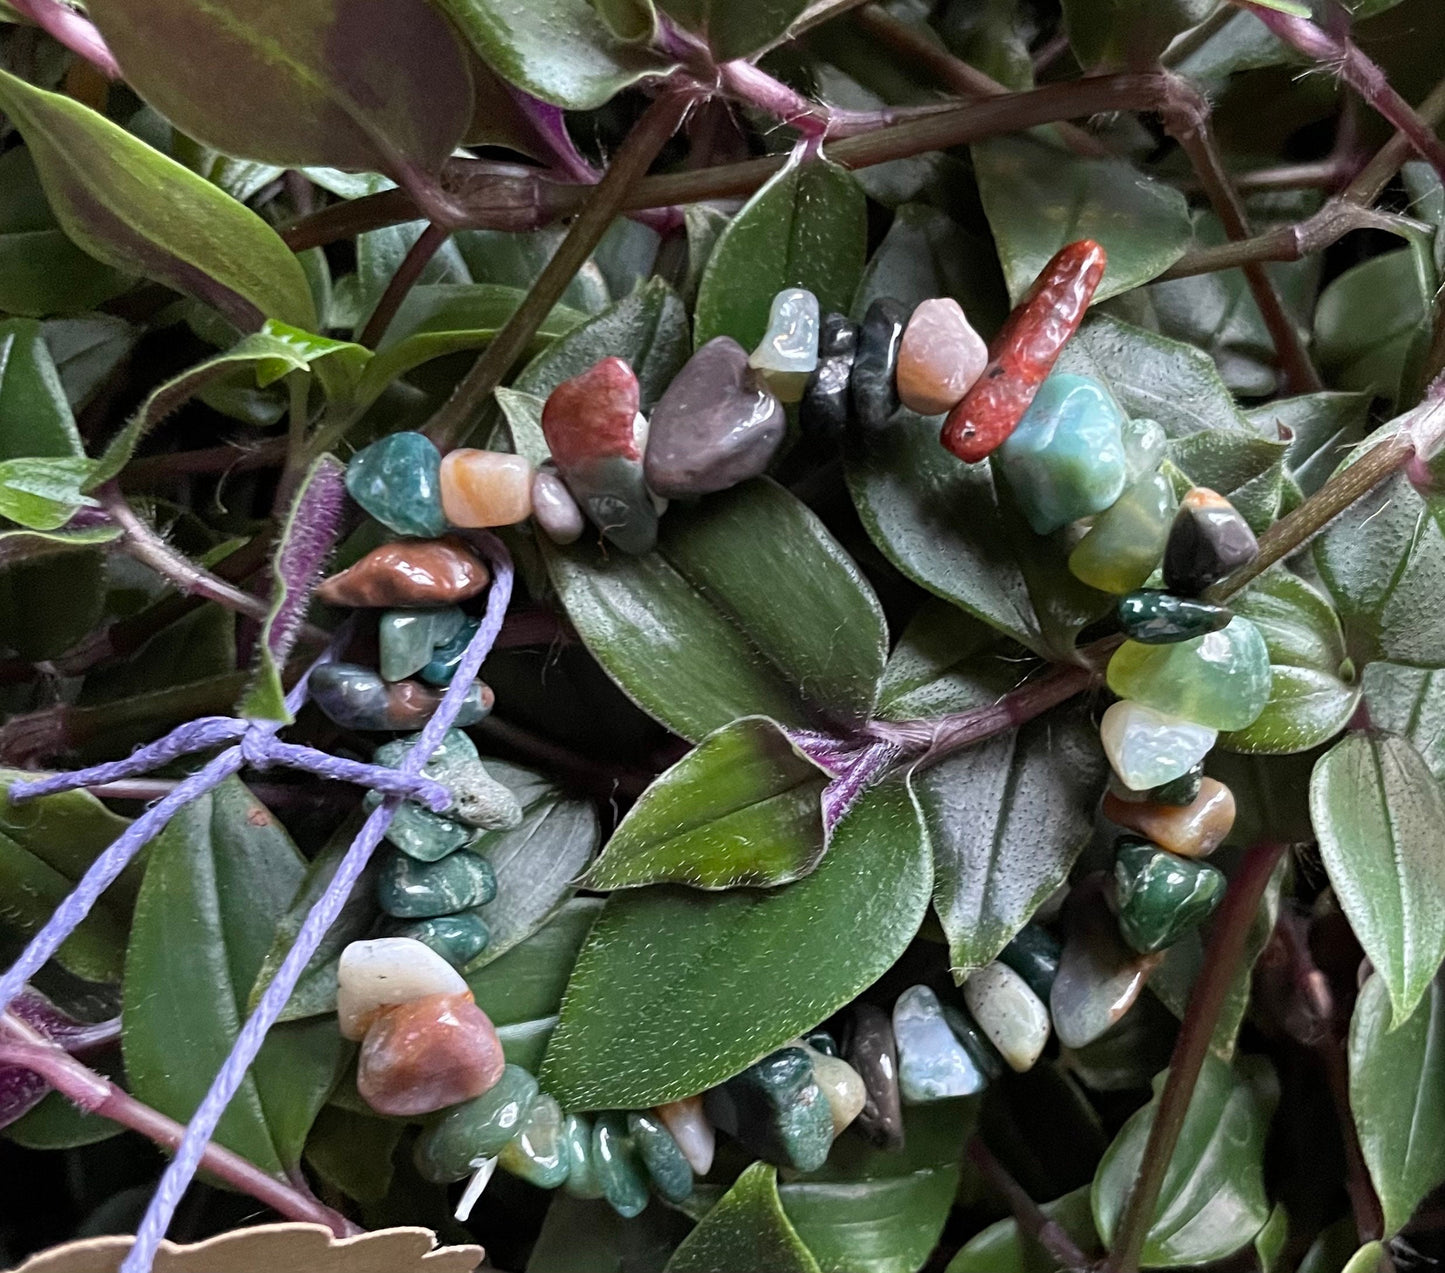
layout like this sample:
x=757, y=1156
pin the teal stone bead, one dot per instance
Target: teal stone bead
x=821, y=1041
x=356, y=697
x=408, y=639
x=398, y=481
x=1220, y=680
x=1066, y=458
x=619, y=1169
x=442, y=666
x=1161, y=618
x=1126, y=541
x=1144, y=446
x=664, y=1160
x=975, y=1042
x=933, y=1065
x=538, y=1152
x=1161, y=896
x=456, y=938
x=582, y=1179
x=409, y=889
x=467, y=1134
x=776, y=1110
x=1034, y=954
x=422, y=834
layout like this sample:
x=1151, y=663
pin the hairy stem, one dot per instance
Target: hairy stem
x=1049, y=1234
x=603, y=202
x=95, y=1094
x=418, y=257
x=1222, y=959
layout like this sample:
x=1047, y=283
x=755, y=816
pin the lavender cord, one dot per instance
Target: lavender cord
x=202, y=1126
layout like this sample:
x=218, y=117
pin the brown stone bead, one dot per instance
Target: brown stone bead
x=939, y=357
x=1192, y=830
x=428, y=1054
x=409, y=573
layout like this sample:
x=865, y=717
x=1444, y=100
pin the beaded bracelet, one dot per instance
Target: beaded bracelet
x=1076, y=467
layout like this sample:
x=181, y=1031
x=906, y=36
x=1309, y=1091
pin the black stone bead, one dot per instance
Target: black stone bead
x=1182, y=790
x=823, y=412
x=1034, y=954
x=821, y=1041
x=871, y=1051
x=874, y=387
x=1158, y=618
x=1208, y=540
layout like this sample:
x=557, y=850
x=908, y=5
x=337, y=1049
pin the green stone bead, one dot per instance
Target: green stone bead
x=1066, y=458
x=1144, y=446
x=1183, y=790
x=407, y=639
x=447, y=657
x=458, y=1142
x=1034, y=954
x=456, y=938
x=1127, y=539
x=422, y=834
x=538, y=1152
x=582, y=1178
x=776, y=1110
x=619, y=1169
x=1161, y=896
x=409, y=889
x=821, y=1041
x=1161, y=618
x=671, y=1175
x=1220, y=680
x=933, y=1064
x=975, y=1042
x=398, y=481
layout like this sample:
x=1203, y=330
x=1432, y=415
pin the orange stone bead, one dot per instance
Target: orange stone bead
x=939, y=357
x=1191, y=830
x=485, y=488
x=428, y=1054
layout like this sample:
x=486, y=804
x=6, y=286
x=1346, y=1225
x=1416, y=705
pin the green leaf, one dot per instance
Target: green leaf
x=46, y=845
x=219, y=879
x=342, y=83
x=1370, y=1258
x=522, y=991
x=353, y=1152
x=35, y=417
x=1270, y=1241
x=558, y=50
x=1039, y=198
x=943, y=663
x=1120, y=33
x=537, y=862
x=955, y=531
x=87, y=351
x=807, y=227
x=42, y=494
x=677, y=990
x=732, y=28
x=1397, y=1097
x=747, y=1232
x=1380, y=820
x=56, y=1123
x=1008, y=818
x=133, y=208
x=631, y=20
x=1153, y=376
x=740, y=810
x=1246, y=468
x=1409, y=701
x=1314, y=691
x=1334, y=1248
x=1368, y=318
x=1002, y=1248
x=1213, y=1199
x=582, y=1236
x=1320, y=429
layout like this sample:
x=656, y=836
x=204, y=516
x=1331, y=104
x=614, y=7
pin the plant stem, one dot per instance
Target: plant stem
x=96, y=1094
x=1364, y=1201
x=1187, y=119
x=1388, y=160
x=229, y=458
x=1049, y=1234
x=417, y=258
x=1221, y=961
x=603, y=202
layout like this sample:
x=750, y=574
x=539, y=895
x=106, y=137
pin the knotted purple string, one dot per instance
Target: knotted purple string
x=320, y=918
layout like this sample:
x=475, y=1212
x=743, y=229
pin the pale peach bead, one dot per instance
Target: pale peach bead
x=939, y=357
x=425, y=1055
x=485, y=488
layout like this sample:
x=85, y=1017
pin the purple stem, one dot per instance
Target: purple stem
x=322, y=915
x=842, y=793
x=550, y=125
x=73, y=30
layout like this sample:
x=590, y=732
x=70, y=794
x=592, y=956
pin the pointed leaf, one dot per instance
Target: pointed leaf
x=1002, y=1248
x=732, y=29
x=1409, y=701
x=747, y=1232
x=131, y=207
x=1319, y=427
x=1397, y=1097
x=677, y=990
x=1380, y=820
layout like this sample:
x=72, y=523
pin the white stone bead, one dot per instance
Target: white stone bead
x=788, y=352
x=1147, y=748
x=842, y=1087
x=389, y=970
x=1013, y=1017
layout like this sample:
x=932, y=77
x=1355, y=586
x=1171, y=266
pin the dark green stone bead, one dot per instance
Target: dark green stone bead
x=619, y=1169
x=1183, y=790
x=442, y=666
x=456, y=938
x=821, y=1041
x=665, y=1163
x=407, y=639
x=582, y=1178
x=409, y=889
x=538, y=1152
x=1161, y=896
x=1158, y=618
x=1034, y=955
x=975, y=1042
x=457, y=1143
x=873, y=386
x=776, y=1110
x=356, y=697
x=823, y=412
x=398, y=481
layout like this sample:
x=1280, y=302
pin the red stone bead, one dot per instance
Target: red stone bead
x=1024, y=352
x=592, y=416
x=428, y=1054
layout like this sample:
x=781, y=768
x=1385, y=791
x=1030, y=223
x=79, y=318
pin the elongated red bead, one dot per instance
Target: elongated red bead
x=1024, y=351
